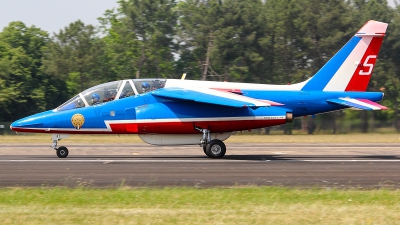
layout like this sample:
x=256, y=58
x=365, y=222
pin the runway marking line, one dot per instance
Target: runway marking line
x=201, y=161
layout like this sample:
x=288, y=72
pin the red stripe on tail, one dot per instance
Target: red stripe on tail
x=360, y=79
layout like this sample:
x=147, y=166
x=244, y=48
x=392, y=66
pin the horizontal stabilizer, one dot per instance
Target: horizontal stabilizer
x=361, y=104
x=209, y=96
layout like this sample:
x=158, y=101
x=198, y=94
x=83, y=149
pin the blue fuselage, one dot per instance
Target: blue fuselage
x=146, y=113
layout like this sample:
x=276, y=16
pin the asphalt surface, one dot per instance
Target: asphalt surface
x=369, y=165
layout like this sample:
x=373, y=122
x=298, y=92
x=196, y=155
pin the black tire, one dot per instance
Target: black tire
x=204, y=149
x=62, y=152
x=215, y=149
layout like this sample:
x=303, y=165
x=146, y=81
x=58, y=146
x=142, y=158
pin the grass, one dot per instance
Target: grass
x=238, y=205
x=244, y=137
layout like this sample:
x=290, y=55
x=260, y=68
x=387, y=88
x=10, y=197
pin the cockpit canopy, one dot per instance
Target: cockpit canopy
x=112, y=91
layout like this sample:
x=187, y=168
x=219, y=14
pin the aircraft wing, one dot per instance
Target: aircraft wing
x=360, y=104
x=210, y=96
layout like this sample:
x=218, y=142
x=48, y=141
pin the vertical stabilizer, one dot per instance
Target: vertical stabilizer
x=350, y=69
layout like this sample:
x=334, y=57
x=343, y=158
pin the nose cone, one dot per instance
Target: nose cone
x=32, y=123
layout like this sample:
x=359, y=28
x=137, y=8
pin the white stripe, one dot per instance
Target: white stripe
x=344, y=74
x=111, y=161
x=191, y=161
x=211, y=119
x=228, y=95
x=369, y=35
x=347, y=160
x=231, y=85
x=360, y=103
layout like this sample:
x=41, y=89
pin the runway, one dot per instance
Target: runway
x=330, y=165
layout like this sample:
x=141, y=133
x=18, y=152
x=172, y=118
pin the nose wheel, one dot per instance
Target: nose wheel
x=62, y=152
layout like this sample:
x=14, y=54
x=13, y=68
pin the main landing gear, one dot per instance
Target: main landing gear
x=62, y=151
x=212, y=148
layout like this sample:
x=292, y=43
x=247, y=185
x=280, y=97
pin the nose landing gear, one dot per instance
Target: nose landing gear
x=62, y=151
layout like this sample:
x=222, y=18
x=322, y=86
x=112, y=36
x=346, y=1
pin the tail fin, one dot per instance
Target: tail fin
x=351, y=67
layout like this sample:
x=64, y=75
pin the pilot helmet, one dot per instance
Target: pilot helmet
x=95, y=98
x=145, y=86
x=157, y=84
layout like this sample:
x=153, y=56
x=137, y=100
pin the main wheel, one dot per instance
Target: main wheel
x=204, y=149
x=62, y=152
x=215, y=149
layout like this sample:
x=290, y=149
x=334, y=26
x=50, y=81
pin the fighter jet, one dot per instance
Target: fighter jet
x=205, y=113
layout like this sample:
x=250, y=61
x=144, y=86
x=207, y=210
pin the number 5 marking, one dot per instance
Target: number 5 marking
x=369, y=65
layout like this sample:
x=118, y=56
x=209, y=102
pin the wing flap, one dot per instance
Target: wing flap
x=360, y=104
x=209, y=96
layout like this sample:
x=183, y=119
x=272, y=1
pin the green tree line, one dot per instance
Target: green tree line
x=259, y=41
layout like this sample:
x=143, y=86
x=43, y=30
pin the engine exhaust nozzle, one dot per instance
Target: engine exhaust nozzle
x=289, y=117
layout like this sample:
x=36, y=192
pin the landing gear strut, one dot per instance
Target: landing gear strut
x=212, y=148
x=62, y=151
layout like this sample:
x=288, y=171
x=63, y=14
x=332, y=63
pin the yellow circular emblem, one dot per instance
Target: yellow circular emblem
x=77, y=121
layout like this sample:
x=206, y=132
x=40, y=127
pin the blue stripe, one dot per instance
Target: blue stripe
x=325, y=74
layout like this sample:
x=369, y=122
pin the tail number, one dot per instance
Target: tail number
x=369, y=65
